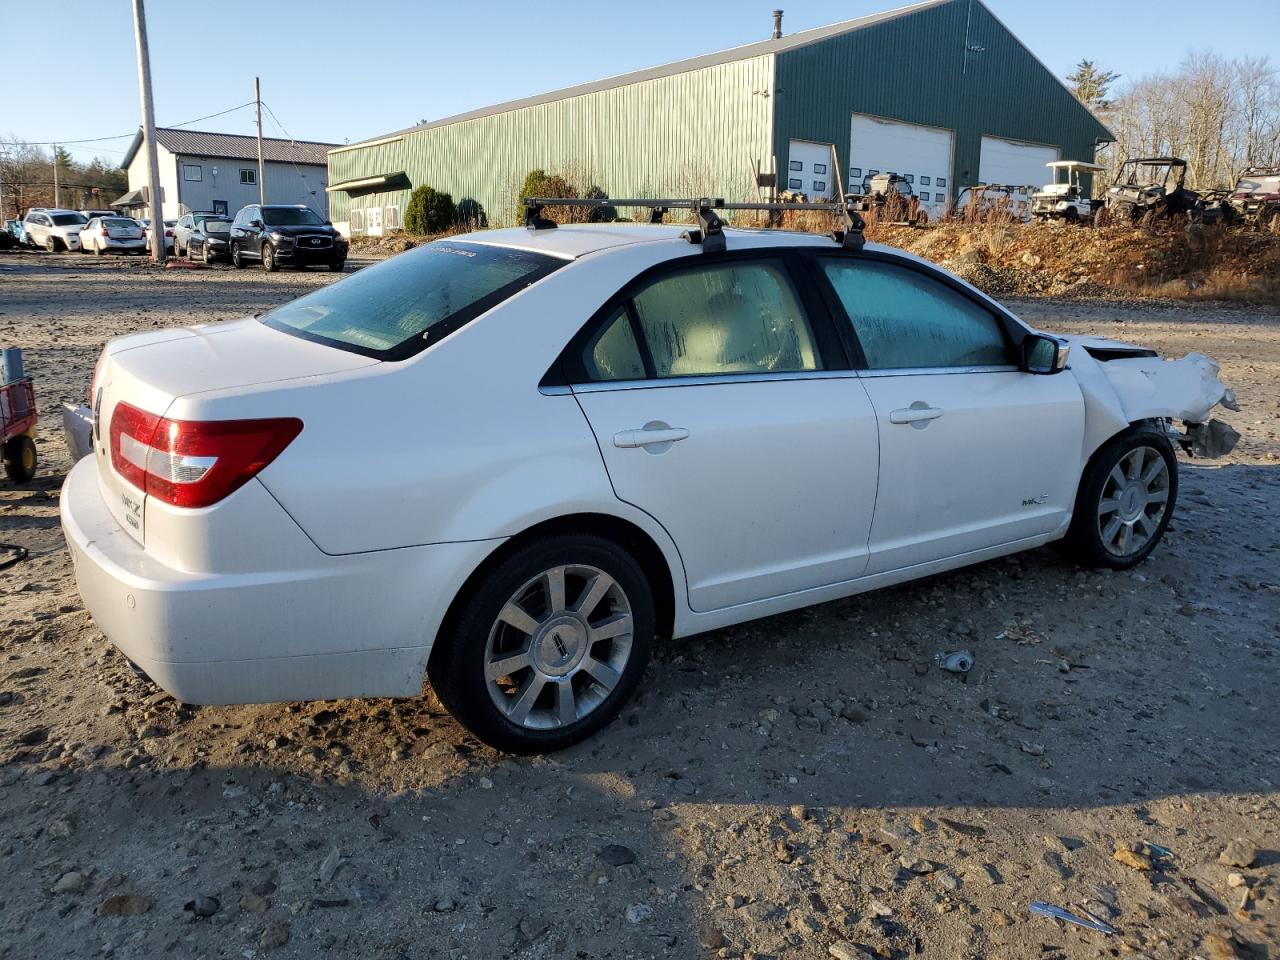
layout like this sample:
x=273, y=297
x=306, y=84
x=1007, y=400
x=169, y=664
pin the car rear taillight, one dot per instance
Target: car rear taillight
x=194, y=463
x=168, y=233
x=104, y=232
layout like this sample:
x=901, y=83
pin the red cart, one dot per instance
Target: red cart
x=18, y=429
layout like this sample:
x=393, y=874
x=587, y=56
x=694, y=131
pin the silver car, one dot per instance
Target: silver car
x=106, y=234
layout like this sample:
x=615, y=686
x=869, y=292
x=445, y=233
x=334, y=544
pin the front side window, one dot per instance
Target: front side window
x=403, y=305
x=906, y=319
x=726, y=318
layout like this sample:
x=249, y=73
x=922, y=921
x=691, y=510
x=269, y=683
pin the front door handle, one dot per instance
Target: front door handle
x=654, y=435
x=918, y=413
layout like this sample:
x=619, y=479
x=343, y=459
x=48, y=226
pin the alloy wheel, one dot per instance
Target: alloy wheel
x=1134, y=499
x=558, y=647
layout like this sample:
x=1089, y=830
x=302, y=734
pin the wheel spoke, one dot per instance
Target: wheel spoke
x=507, y=664
x=566, y=704
x=1117, y=476
x=1153, y=471
x=1108, y=506
x=613, y=627
x=1157, y=496
x=1112, y=528
x=555, y=590
x=1126, y=537
x=1135, y=460
x=516, y=617
x=593, y=593
x=601, y=672
x=1146, y=527
x=525, y=700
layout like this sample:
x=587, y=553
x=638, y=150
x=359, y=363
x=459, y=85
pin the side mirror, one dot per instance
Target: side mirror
x=257, y=224
x=1044, y=354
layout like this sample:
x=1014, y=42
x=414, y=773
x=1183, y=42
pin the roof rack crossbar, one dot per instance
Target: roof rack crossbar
x=709, y=233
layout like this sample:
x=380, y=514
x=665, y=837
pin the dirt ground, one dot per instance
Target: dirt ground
x=806, y=786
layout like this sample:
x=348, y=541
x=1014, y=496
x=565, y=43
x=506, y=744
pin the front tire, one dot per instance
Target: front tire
x=204, y=254
x=237, y=258
x=269, y=258
x=51, y=245
x=548, y=647
x=1126, y=499
x=335, y=266
x=20, y=459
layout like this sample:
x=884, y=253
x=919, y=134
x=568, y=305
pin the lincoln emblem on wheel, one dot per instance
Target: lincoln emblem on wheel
x=585, y=438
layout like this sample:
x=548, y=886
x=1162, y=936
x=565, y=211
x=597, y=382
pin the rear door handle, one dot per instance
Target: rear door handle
x=650, y=435
x=915, y=413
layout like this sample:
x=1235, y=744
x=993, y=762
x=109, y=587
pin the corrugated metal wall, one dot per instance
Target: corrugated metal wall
x=952, y=66
x=692, y=133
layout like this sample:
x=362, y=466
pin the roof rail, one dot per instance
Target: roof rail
x=710, y=231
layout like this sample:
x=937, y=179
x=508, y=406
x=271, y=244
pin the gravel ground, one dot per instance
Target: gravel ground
x=805, y=786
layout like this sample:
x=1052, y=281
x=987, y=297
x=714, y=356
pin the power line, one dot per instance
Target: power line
x=122, y=136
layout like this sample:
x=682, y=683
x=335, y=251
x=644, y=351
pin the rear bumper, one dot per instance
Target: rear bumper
x=318, y=627
x=113, y=243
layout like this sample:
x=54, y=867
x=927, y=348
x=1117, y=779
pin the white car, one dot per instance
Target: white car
x=53, y=229
x=169, y=227
x=508, y=460
x=112, y=234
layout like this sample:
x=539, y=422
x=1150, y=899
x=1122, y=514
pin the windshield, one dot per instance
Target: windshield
x=67, y=219
x=1268, y=184
x=400, y=306
x=290, y=217
x=216, y=226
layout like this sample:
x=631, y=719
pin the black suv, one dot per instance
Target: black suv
x=277, y=233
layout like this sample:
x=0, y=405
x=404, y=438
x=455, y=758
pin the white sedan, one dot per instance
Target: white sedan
x=509, y=460
x=107, y=234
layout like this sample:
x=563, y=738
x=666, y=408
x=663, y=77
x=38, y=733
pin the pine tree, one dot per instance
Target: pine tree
x=1090, y=84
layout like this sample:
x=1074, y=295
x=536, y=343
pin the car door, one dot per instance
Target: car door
x=722, y=405
x=974, y=452
x=182, y=232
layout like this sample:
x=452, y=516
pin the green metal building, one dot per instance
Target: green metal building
x=939, y=91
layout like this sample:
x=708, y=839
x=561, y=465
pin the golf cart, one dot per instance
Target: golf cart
x=1256, y=198
x=892, y=198
x=1066, y=198
x=1151, y=188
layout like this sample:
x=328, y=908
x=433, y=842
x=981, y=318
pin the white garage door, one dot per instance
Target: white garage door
x=809, y=169
x=921, y=154
x=1011, y=162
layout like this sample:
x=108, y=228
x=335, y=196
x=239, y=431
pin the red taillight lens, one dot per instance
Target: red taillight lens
x=168, y=233
x=104, y=232
x=193, y=463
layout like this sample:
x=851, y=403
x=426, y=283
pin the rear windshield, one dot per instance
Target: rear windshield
x=67, y=219
x=291, y=217
x=400, y=306
x=217, y=226
x=119, y=222
x=1269, y=184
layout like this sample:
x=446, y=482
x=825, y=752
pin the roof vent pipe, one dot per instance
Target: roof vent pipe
x=777, y=24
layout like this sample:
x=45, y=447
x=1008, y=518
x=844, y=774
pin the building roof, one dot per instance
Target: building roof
x=233, y=146
x=791, y=42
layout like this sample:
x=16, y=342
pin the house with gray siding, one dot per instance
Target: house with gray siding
x=219, y=172
x=940, y=91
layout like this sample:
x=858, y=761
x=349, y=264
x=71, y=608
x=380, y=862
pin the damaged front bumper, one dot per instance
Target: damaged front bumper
x=1209, y=440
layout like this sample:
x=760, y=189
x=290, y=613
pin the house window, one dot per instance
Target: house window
x=820, y=168
x=855, y=173
x=357, y=221
x=248, y=175
x=795, y=165
x=391, y=218
x=192, y=172
x=940, y=182
x=940, y=197
x=924, y=181
x=820, y=186
x=872, y=173
x=795, y=184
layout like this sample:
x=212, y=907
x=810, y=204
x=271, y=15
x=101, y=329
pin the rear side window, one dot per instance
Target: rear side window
x=904, y=318
x=400, y=306
x=735, y=317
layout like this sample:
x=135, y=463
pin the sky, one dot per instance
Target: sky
x=341, y=71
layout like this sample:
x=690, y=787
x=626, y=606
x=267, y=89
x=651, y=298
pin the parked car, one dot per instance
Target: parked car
x=15, y=229
x=573, y=440
x=53, y=229
x=169, y=226
x=1256, y=198
x=276, y=234
x=9, y=234
x=185, y=224
x=209, y=240
x=112, y=234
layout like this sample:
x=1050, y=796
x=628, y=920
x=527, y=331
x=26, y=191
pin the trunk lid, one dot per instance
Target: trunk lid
x=151, y=370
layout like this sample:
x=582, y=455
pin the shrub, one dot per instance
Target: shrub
x=471, y=215
x=429, y=211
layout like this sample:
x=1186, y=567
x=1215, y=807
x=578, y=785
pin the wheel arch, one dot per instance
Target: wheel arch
x=623, y=533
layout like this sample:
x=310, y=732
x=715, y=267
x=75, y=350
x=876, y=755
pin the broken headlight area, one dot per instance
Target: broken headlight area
x=1208, y=440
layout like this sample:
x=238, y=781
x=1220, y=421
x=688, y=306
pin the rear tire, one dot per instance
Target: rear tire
x=51, y=245
x=20, y=459
x=97, y=249
x=539, y=612
x=1125, y=501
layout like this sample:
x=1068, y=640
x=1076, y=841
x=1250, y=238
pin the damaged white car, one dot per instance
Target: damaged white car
x=509, y=460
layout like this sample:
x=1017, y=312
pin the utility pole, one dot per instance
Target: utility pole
x=158, y=246
x=262, y=180
x=57, y=195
